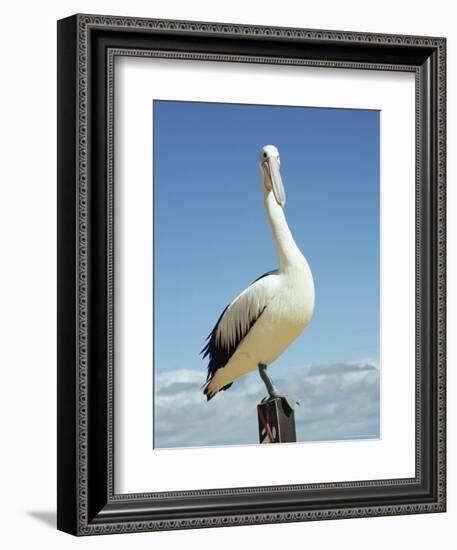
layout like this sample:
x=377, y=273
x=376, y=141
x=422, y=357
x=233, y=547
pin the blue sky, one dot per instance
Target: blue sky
x=212, y=239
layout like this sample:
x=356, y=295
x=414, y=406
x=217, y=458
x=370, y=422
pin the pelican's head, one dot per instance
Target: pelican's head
x=269, y=162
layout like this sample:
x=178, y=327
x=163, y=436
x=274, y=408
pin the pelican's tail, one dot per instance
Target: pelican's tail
x=213, y=386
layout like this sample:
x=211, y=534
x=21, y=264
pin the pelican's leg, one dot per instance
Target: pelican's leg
x=272, y=391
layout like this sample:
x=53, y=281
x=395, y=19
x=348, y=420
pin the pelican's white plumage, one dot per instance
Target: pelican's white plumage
x=270, y=314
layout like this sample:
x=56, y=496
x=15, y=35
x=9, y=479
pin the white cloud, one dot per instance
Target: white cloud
x=337, y=401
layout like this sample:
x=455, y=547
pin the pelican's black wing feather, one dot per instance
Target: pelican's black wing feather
x=219, y=354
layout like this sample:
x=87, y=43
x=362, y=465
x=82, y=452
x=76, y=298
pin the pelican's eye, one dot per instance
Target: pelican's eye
x=264, y=155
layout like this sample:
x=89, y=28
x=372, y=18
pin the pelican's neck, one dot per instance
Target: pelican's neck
x=288, y=252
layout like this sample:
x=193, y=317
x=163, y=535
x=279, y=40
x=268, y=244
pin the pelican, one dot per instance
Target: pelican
x=262, y=321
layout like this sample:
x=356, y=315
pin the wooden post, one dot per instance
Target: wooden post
x=276, y=421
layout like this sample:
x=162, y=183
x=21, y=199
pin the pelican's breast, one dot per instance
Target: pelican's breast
x=283, y=320
x=297, y=295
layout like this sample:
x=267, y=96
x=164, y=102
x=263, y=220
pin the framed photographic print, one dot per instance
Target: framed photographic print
x=251, y=274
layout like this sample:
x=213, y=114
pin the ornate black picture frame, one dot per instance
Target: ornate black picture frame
x=87, y=46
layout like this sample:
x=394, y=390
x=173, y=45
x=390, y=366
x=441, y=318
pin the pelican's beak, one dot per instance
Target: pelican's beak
x=276, y=181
